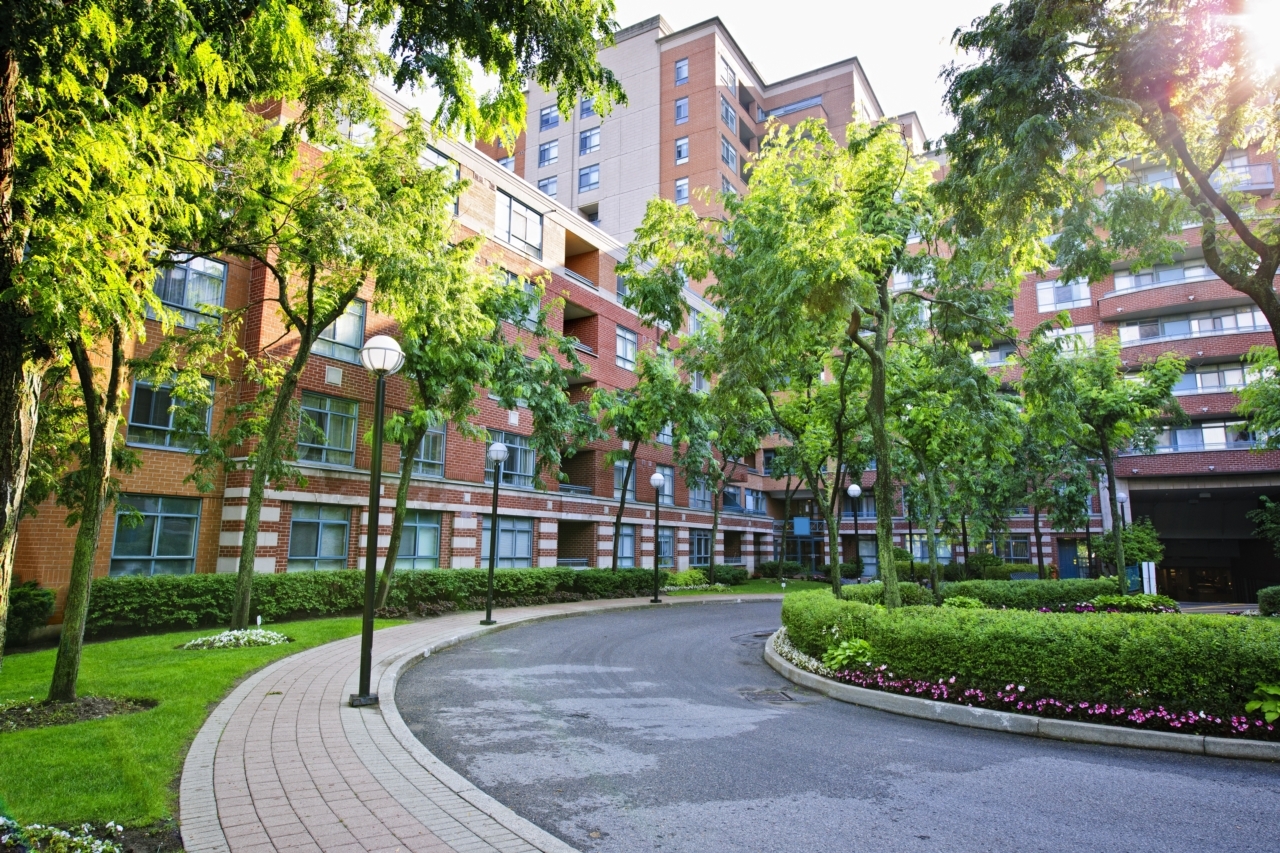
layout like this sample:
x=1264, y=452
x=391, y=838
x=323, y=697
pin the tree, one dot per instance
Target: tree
x=1100, y=409
x=1070, y=96
x=1141, y=543
x=660, y=399
x=107, y=111
x=1267, y=517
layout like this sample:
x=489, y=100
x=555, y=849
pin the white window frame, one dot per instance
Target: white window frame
x=589, y=141
x=728, y=114
x=549, y=186
x=682, y=150
x=682, y=65
x=626, y=347
x=548, y=117
x=589, y=178
x=510, y=212
x=682, y=190
x=548, y=153
x=682, y=110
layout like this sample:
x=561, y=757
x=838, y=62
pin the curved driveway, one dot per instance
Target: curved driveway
x=664, y=730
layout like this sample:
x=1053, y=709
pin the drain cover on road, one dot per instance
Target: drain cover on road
x=771, y=696
x=753, y=638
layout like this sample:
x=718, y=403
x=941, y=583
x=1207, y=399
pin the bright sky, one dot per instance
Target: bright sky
x=902, y=44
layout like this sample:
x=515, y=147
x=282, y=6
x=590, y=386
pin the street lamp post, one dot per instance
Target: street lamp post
x=381, y=356
x=656, y=481
x=1122, y=498
x=855, y=492
x=497, y=455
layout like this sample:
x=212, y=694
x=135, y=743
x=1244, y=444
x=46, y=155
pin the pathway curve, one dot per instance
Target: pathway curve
x=284, y=764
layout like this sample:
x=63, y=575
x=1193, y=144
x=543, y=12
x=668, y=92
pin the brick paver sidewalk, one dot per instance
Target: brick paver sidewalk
x=284, y=764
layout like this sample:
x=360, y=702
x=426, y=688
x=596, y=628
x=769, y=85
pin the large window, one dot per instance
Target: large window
x=682, y=110
x=587, y=107
x=796, y=106
x=1059, y=295
x=627, y=343
x=318, y=537
x=519, y=225
x=589, y=140
x=515, y=543
x=666, y=547
x=1012, y=547
x=548, y=153
x=728, y=78
x=162, y=542
x=728, y=114
x=549, y=185
x=327, y=432
x=665, y=435
x=1216, y=435
x=589, y=178
x=668, y=494
x=343, y=338
x=626, y=546
x=682, y=150
x=191, y=287
x=1160, y=274
x=699, y=497
x=620, y=475
x=699, y=383
x=726, y=186
x=1213, y=379
x=918, y=545
x=700, y=547
x=518, y=469
x=428, y=461
x=682, y=190
x=728, y=154
x=151, y=416
x=548, y=117
x=1224, y=321
x=682, y=71
x=419, y=541
x=753, y=501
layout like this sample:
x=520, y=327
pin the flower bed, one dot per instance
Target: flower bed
x=1014, y=698
x=237, y=640
x=16, y=838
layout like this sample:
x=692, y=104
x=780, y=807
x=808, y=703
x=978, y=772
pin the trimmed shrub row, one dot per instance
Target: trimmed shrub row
x=168, y=602
x=873, y=593
x=29, y=608
x=1269, y=601
x=1183, y=662
x=1030, y=595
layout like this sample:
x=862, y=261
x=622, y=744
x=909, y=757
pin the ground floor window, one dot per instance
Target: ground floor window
x=626, y=546
x=1012, y=547
x=155, y=536
x=666, y=547
x=918, y=545
x=419, y=541
x=700, y=547
x=318, y=537
x=515, y=543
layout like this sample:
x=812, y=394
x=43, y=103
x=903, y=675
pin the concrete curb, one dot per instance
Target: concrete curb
x=1021, y=724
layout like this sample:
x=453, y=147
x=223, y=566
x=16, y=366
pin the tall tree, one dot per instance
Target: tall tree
x=1100, y=409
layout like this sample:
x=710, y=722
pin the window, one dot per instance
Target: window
x=664, y=435
x=508, y=163
x=666, y=550
x=515, y=543
x=162, y=543
x=626, y=546
x=1212, y=379
x=192, y=286
x=1224, y=321
x=548, y=117
x=682, y=71
x=667, y=495
x=589, y=178
x=700, y=383
x=451, y=168
x=318, y=537
x=699, y=496
x=797, y=106
x=700, y=547
x=682, y=110
x=548, y=153
x=727, y=187
x=428, y=461
x=518, y=469
x=865, y=506
x=1077, y=337
x=918, y=545
x=327, y=432
x=626, y=344
x=587, y=107
x=419, y=541
x=548, y=185
x=728, y=114
x=1012, y=548
x=769, y=455
x=530, y=320
x=519, y=225
x=343, y=338
x=621, y=286
x=682, y=150
x=1217, y=435
x=728, y=154
x=151, y=416
x=1162, y=274
x=619, y=476
x=731, y=499
x=682, y=190
x=1058, y=295
x=995, y=356
x=728, y=78
x=753, y=501
x=589, y=140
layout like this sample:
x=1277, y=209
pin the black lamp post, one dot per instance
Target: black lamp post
x=381, y=356
x=497, y=455
x=656, y=481
x=855, y=492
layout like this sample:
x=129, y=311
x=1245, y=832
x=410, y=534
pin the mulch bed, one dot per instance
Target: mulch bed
x=17, y=716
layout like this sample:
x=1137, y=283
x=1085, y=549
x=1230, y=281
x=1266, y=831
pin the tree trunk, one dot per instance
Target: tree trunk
x=1035, y=525
x=397, y=519
x=786, y=513
x=934, y=579
x=622, y=506
x=716, y=504
x=884, y=465
x=263, y=461
x=1109, y=463
x=964, y=541
x=832, y=519
x=102, y=413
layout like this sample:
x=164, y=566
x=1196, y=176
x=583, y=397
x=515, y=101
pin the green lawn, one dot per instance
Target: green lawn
x=758, y=585
x=126, y=768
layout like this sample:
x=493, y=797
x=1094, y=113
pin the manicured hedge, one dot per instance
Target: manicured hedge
x=732, y=575
x=1030, y=595
x=873, y=593
x=1184, y=662
x=166, y=602
x=1269, y=601
x=29, y=608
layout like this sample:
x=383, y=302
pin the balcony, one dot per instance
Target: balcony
x=571, y=489
x=576, y=277
x=1198, y=438
x=1246, y=177
x=1180, y=327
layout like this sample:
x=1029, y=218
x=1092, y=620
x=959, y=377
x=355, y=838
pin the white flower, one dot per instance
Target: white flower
x=238, y=640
